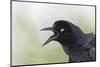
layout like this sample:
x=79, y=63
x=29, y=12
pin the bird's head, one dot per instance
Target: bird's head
x=62, y=31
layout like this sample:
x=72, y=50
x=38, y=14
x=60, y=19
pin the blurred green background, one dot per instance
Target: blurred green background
x=27, y=39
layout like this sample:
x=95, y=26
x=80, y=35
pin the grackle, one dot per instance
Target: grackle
x=78, y=45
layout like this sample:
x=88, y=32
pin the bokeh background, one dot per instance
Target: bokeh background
x=27, y=39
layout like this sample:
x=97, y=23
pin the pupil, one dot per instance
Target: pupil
x=62, y=29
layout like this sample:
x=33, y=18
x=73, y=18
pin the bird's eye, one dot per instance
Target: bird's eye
x=62, y=29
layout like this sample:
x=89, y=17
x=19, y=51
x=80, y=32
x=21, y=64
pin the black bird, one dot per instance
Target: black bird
x=78, y=45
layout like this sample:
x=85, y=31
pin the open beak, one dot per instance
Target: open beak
x=51, y=38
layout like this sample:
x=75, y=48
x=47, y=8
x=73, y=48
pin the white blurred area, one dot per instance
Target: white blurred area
x=29, y=18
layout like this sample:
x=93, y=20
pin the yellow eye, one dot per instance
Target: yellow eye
x=61, y=30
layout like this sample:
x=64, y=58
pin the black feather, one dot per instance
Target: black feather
x=78, y=45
